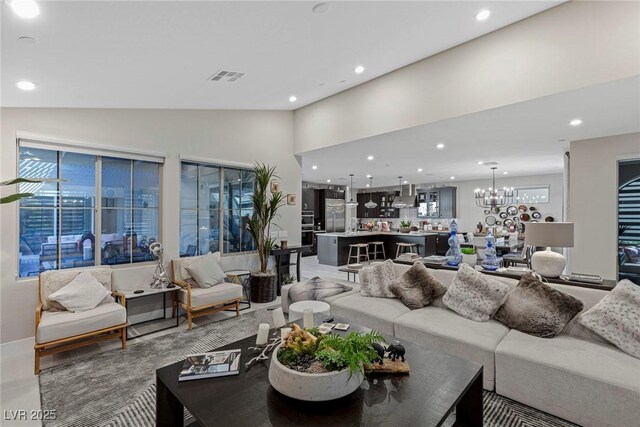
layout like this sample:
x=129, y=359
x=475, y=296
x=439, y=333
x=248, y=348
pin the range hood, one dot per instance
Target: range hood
x=408, y=200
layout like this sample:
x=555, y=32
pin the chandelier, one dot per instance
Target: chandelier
x=370, y=204
x=493, y=198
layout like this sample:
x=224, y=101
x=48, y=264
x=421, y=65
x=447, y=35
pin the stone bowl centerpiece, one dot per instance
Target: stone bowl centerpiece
x=313, y=367
x=405, y=226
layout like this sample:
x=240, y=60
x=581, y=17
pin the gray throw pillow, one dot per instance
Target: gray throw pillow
x=376, y=279
x=417, y=287
x=474, y=295
x=316, y=289
x=616, y=317
x=206, y=271
x=537, y=309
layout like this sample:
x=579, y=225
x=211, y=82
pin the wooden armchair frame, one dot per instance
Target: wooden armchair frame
x=76, y=341
x=202, y=310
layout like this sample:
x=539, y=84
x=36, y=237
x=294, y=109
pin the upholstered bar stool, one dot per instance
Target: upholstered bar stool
x=376, y=246
x=358, y=247
x=406, y=247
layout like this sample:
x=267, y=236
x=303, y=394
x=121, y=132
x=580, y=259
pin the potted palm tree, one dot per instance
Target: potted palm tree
x=265, y=209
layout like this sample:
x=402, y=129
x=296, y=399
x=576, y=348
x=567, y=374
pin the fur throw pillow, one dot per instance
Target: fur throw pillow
x=315, y=289
x=538, y=309
x=417, y=287
x=375, y=280
x=616, y=317
x=474, y=295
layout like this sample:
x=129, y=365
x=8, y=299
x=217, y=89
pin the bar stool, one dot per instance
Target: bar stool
x=406, y=247
x=376, y=250
x=358, y=247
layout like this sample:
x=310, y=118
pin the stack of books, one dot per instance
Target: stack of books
x=210, y=365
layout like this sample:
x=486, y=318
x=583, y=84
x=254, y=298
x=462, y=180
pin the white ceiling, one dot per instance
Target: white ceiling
x=523, y=138
x=159, y=54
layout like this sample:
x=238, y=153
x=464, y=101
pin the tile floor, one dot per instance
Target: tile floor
x=19, y=388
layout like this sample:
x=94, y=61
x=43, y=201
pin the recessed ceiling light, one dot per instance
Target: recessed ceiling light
x=505, y=173
x=314, y=167
x=480, y=162
x=328, y=180
x=368, y=185
x=369, y=157
x=359, y=69
x=419, y=169
x=405, y=182
x=25, y=8
x=26, y=85
x=483, y=15
x=575, y=122
x=320, y=8
x=293, y=98
x=440, y=146
x=368, y=176
x=453, y=177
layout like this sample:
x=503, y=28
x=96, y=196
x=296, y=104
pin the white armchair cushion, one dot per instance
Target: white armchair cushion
x=181, y=272
x=55, y=325
x=53, y=280
x=206, y=271
x=83, y=293
x=209, y=296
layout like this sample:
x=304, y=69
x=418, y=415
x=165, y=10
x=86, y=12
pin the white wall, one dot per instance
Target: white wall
x=574, y=45
x=217, y=136
x=594, y=198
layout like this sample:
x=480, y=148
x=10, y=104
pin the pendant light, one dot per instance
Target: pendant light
x=398, y=203
x=351, y=203
x=370, y=204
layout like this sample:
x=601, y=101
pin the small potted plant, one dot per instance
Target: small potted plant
x=405, y=226
x=469, y=256
x=314, y=367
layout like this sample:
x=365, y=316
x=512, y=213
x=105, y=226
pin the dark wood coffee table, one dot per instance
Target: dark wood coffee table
x=438, y=383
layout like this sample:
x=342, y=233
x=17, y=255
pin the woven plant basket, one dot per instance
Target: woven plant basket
x=263, y=288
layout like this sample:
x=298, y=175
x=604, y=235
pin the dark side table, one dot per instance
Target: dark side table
x=242, y=278
x=148, y=292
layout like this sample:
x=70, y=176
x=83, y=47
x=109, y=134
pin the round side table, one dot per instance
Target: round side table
x=296, y=310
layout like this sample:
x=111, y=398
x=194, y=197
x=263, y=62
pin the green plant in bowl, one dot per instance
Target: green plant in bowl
x=468, y=251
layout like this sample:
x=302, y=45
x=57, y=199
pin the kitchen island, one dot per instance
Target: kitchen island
x=333, y=248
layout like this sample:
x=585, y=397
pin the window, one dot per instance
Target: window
x=629, y=220
x=79, y=222
x=528, y=195
x=215, y=205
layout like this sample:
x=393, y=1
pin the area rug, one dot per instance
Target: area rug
x=117, y=388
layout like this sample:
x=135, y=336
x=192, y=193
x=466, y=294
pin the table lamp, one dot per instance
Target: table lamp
x=550, y=235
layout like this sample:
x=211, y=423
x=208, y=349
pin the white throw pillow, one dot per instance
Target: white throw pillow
x=206, y=271
x=616, y=317
x=474, y=295
x=376, y=280
x=81, y=294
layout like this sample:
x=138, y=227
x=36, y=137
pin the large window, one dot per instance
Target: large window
x=215, y=205
x=104, y=210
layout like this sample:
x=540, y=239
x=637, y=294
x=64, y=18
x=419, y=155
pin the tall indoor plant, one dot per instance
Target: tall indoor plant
x=18, y=196
x=265, y=209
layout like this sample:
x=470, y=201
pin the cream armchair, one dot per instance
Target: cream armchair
x=197, y=301
x=59, y=330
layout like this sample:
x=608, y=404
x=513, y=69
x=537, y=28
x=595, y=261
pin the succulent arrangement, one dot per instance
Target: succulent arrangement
x=306, y=350
x=405, y=223
x=468, y=251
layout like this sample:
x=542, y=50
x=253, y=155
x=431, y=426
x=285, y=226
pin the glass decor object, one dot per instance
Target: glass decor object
x=371, y=204
x=454, y=256
x=351, y=203
x=493, y=198
x=490, y=261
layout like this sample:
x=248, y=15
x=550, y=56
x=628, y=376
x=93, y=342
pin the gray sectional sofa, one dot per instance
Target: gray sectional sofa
x=576, y=375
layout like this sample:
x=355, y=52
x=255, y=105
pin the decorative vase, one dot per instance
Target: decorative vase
x=490, y=261
x=454, y=257
x=311, y=387
x=263, y=287
x=548, y=263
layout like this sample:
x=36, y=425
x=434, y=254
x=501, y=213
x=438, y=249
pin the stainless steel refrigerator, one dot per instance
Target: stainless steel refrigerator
x=334, y=215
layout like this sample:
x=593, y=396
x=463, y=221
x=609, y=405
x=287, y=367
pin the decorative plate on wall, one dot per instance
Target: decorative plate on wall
x=490, y=220
x=522, y=208
x=524, y=217
x=508, y=222
x=536, y=215
x=549, y=219
x=512, y=210
x=532, y=208
x=498, y=222
x=516, y=219
x=503, y=215
x=487, y=211
x=534, y=220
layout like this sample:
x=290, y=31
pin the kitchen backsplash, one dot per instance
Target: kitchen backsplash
x=410, y=214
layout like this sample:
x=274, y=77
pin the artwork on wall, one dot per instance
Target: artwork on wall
x=291, y=199
x=275, y=186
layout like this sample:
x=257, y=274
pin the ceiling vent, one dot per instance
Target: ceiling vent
x=489, y=163
x=226, y=76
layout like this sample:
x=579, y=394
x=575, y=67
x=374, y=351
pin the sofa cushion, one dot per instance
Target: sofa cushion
x=376, y=279
x=315, y=289
x=581, y=381
x=372, y=312
x=83, y=293
x=442, y=329
x=215, y=295
x=181, y=272
x=55, y=325
x=53, y=280
x=474, y=295
x=206, y=271
x=616, y=317
x=417, y=287
x=537, y=309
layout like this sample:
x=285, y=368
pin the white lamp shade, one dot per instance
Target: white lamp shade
x=549, y=234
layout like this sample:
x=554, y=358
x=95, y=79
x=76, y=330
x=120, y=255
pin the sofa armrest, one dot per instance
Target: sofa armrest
x=38, y=315
x=284, y=292
x=187, y=287
x=120, y=295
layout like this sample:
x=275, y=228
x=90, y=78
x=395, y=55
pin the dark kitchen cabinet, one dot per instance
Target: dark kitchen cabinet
x=308, y=199
x=448, y=202
x=437, y=203
x=362, y=210
x=385, y=208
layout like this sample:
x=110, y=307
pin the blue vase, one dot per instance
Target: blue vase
x=454, y=256
x=490, y=261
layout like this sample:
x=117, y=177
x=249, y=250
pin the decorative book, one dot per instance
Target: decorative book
x=210, y=365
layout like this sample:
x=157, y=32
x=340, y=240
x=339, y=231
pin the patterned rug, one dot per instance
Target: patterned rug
x=117, y=388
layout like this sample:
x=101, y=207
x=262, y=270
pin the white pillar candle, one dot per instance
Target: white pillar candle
x=278, y=318
x=307, y=318
x=263, y=334
x=284, y=333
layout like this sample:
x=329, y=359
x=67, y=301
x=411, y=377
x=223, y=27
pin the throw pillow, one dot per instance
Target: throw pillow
x=474, y=295
x=54, y=280
x=616, y=317
x=315, y=289
x=206, y=271
x=376, y=279
x=417, y=287
x=183, y=263
x=538, y=309
x=81, y=294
